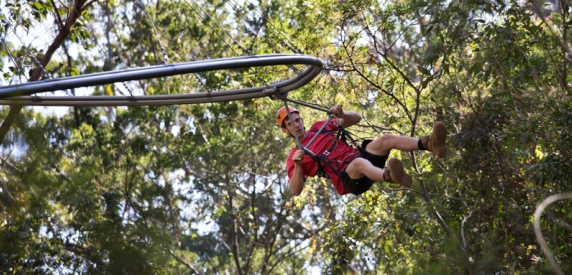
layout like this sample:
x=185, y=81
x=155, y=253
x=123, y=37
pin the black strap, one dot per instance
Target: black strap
x=321, y=172
x=343, y=135
x=347, y=135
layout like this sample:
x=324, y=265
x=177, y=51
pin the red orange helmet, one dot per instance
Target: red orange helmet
x=282, y=114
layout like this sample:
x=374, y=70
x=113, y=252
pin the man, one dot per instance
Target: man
x=351, y=170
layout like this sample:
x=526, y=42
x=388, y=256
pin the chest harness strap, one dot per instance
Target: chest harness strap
x=343, y=135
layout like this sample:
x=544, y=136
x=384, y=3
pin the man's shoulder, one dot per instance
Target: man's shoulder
x=318, y=124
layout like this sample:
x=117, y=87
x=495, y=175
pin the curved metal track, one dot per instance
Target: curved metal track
x=20, y=94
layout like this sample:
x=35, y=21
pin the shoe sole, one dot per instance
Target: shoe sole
x=440, y=134
x=397, y=173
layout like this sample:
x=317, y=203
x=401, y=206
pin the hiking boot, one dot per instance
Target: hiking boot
x=395, y=173
x=436, y=141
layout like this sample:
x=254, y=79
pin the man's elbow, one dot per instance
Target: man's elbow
x=356, y=118
x=296, y=192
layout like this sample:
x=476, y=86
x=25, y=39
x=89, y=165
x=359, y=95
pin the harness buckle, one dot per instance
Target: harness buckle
x=326, y=153
x=308, y=151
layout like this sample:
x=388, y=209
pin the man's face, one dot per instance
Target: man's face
x=295, y=127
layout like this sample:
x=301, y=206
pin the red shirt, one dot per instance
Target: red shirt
x=338, y=157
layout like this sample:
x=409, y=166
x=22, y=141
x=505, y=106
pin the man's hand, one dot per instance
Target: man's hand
x=298, y=157
x=337, y=111
x=297, y=180
x=345, y=119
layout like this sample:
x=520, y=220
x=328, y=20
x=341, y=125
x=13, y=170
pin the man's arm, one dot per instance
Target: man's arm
x=297, y=180
x=347, y=118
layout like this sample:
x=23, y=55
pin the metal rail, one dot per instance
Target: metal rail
x=20, y=94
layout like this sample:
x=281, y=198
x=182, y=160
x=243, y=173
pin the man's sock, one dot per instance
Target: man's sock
x=420, y=145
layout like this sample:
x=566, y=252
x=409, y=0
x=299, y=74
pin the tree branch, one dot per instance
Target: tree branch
x=6, y=192
x=234, y=234
x=183, y=262
x=538, y=230
x=65, y=31
x=58, y=17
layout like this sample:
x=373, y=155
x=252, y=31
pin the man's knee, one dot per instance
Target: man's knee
x=382, y=144
x=356, y=167
x=387, y=140
x=359, y=163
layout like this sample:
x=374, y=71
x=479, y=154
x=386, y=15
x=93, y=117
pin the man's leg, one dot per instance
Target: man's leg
x=381, y=146
x=435, y=142
x=360, y=167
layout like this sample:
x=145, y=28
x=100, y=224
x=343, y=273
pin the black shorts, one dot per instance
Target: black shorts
x=359, y=186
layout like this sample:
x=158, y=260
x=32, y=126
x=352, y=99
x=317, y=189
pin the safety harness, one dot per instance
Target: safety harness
x=322, y=158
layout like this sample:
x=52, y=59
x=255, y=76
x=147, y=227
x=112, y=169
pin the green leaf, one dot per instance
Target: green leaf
x=38, y=6
x=74, y=71
x=428, y=30
x=423, y=70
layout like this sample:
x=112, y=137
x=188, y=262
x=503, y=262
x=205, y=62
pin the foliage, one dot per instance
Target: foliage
x=202, y=189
